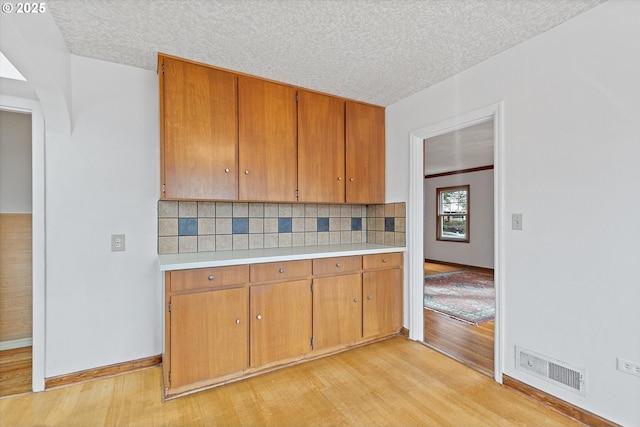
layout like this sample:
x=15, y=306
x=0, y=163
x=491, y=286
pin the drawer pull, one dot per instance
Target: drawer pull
x=281, y=270
x=384, y=260
x=355, y=300
x=237, y=321
x=212, y=277
x=369, y=297
x=259, y=317
x=227, y=170
x=246, y=172
x=338, y=265
x=351, y=179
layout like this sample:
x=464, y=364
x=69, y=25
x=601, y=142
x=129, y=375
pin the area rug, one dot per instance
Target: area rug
x=464, y=295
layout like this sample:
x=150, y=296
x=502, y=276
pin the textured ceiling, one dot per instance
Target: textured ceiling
x=375, y=51
x=465, y=148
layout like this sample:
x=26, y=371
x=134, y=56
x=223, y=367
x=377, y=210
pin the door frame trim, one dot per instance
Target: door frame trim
x=415, y=219
x=29, y=106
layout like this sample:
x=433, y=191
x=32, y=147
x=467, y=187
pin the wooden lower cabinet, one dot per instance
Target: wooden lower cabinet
x=337, y=310
x=381, y=302
x=280, y=321
x=225, y=323
x=209, y=335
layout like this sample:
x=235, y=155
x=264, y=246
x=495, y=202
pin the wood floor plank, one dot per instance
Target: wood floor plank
x=473, y=345
x=15, y=371
x=396, y=382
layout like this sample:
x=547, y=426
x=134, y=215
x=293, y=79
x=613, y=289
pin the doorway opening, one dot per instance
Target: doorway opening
x=459, y=292
x=36, y=166
x=16, y=266
x=417, y=210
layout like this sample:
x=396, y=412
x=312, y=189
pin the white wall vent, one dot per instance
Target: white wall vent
x=553, y=371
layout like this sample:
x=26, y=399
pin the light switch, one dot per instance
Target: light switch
x=516, y=221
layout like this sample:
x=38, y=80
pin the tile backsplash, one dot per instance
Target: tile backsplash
x=189, y=226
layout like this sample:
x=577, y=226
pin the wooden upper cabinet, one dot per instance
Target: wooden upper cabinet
x=267, y=140
x=321, y=148
x=365, y=153
x=198, y=131
x=235, y=137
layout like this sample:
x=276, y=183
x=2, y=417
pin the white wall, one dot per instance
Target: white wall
x=479, y=251
x=571, y=149
x=15, y=162
x=103, y=307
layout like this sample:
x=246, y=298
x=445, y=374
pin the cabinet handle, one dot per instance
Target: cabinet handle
x=338, y=265
x=351, y=179
x=355, y=300
x=227, y=170
x=259, y=317
x=384, y=260
x=246, y=172
x=281, y=270
x=369, y=297
x=339, y=178
x=237, y=321
x=212, y=277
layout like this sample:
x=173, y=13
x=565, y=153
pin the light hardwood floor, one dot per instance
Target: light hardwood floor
x=396, y=382
x=473, y=345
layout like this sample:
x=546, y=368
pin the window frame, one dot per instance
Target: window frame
x=440, y=215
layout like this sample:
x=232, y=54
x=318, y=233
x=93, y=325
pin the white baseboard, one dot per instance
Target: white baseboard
x=10, y=345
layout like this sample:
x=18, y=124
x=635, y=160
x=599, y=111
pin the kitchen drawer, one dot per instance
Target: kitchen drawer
x=280, y=270
x=337, y=265
x=185, y=280
x=391, y=260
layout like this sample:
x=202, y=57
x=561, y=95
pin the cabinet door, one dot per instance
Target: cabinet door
x=381, y=302
x=320, y=148
x=280, y=321
x=337, y=310
x=209, y=335
x=267, y=140
x=365, y=153
x=199, y=132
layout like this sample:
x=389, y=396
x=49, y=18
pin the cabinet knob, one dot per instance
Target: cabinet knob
x=281, y=270
x=351, y=179
x=384, y=260
x=212, y=277
x=338, y=265
x=246, y=172
x=259, y=317
x=227, y=170
x=355, y=300
x=339, y=178
x=369, y=297
x=237, y=321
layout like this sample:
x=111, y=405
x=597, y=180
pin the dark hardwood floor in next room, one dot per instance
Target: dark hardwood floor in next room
x=470, y=344
x=15, y=371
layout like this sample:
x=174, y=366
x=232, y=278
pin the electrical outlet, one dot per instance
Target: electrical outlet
x=516, y=221
x=117, y=242
x=628, y=366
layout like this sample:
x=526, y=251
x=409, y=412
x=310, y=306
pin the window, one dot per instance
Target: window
x=453, y=213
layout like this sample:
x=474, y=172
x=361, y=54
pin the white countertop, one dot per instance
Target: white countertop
x=254, y=256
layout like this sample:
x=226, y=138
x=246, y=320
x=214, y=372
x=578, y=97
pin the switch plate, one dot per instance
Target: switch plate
x=516, y=221
x=117, y=243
